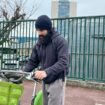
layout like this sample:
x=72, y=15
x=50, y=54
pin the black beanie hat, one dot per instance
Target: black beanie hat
x=43, y=22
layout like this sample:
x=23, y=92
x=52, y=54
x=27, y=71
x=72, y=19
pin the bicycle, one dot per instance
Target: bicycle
x=12, y=80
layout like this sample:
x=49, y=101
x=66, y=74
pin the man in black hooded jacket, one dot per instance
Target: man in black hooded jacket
x=51, y=53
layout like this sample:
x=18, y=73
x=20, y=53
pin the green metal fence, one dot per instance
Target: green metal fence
x=85, y=36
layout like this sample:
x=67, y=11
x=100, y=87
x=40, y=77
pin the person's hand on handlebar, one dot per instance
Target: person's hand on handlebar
x=40, y=74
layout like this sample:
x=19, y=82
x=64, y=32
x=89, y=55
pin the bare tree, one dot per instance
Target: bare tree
x=13, y=10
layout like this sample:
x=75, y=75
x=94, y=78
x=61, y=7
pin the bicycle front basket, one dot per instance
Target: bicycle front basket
x=10, y=93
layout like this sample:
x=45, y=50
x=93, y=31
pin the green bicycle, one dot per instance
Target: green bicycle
x=11, y=88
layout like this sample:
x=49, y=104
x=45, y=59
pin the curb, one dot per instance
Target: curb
x=86, y=84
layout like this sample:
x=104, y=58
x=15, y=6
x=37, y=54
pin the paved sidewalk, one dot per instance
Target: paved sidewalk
x=74, y=95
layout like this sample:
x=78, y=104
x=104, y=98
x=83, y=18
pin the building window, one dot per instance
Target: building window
x=64, y=9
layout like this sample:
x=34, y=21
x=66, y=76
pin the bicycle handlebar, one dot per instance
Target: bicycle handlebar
x=16, y=76
x=11, y=71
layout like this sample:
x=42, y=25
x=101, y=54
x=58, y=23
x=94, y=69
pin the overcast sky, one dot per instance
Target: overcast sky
x=90, y=7
x=84, y=8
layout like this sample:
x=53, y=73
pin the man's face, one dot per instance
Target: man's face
x=42, y=33
x=44, y=36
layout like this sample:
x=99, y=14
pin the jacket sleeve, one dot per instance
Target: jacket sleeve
x=33, y=61
x=63, y=59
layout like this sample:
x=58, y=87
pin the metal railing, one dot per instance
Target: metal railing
x=85, y=36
